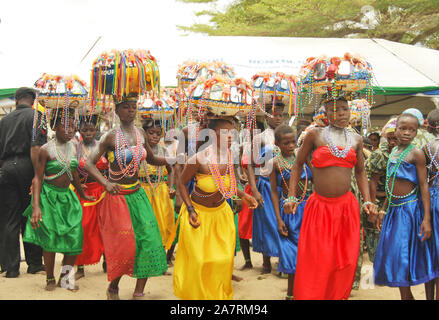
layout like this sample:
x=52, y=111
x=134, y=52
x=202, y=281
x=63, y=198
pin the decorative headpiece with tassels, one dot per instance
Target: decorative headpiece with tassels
x=57, y=92
x=360, y=113
x=276, y=87
x=123, y=76
x=162, y=110
x=335, y=77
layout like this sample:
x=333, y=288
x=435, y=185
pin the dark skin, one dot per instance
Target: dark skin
x=375, y=178
x=434, y=145
x=126, y=112
x=324, y=178
x=375, y=141
x=153, y=136
x=272, y=122
x=406, y=131
x=199, y=166
x=88, y=133
x=287, y=145
x=62, y=137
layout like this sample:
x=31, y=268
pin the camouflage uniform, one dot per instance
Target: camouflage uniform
x=356, y=192
x=375, y=164
x=422, y=138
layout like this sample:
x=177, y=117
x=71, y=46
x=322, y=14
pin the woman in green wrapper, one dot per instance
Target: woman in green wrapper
x=55, y=215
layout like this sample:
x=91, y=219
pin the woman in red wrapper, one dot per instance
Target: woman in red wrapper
x=329, y=238
x=92, y=245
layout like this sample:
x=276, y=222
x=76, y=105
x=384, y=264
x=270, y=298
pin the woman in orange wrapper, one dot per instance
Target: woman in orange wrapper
x=130, y=232
x=92, y=245
x=329, y=238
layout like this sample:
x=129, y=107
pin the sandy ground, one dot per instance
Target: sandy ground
x=254, y=286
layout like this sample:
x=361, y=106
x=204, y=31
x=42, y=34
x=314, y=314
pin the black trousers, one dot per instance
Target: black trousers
x=15, y=180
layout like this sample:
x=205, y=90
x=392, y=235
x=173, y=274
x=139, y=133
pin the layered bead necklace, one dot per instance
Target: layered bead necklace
x=333, y=147
x=220, y=182
x=159, y=174
x=285, y=164
x=127, y=169
x=433, y=157
x=83, y=173
x=391, y=174
x=64, y=161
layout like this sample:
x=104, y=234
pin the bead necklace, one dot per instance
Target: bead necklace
x=63, y=161
x=127, y=169
x=333, y=148
x=281, y=169
x=220, y=183
x=392, y=174
x=82, y=172
x=287, y=164
x=160, y=175
x=433, y=159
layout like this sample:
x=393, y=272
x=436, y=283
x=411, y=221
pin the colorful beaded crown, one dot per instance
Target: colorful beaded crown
x=275, y=87
x=119, y=75
x=347, y=73
x=56, y=91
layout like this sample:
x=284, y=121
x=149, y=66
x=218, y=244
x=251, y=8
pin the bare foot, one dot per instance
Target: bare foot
x=236, y=278
x=266, y=270
x=247, y=265
x=139, y=296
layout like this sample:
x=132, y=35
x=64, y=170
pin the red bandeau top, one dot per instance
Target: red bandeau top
x=101, y=165
x=322, y=158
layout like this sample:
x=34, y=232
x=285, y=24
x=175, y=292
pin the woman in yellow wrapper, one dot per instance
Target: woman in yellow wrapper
x=154, y=180
x=206, y=245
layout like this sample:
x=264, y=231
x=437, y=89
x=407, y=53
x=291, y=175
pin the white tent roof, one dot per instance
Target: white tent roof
x=394, y=64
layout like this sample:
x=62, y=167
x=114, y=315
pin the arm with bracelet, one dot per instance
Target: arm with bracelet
x=189, y=171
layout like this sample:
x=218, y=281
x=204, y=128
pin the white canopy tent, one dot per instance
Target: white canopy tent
x=399, y=69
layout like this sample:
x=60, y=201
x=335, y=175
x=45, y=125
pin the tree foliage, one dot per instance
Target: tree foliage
x=407, y=21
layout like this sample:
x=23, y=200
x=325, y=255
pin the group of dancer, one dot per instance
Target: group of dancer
x=119, y=198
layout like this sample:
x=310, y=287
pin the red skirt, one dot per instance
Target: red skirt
x=328, y=249
x=245, y=219
x=92, y=245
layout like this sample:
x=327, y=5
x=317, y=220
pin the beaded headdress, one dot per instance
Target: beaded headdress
x=57, y=92
x=334, y=77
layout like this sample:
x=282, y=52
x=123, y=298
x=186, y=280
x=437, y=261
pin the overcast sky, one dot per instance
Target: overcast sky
x=52, y=36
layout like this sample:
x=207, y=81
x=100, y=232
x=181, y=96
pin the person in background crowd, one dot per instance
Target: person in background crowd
x=18, y=159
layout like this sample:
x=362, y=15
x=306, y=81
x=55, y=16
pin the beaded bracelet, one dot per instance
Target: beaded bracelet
x=191, y=209
x=365, y=203
x=292, y=199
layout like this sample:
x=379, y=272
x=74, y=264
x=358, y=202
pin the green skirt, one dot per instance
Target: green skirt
x=131, y=236
x=61, y=228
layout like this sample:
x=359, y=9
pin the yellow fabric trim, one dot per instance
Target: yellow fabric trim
x=123, y=186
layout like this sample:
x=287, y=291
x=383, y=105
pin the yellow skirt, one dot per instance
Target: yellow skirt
x=163, y=208
x=204, y=262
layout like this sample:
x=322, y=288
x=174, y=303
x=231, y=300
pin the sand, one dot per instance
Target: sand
x=254, y=286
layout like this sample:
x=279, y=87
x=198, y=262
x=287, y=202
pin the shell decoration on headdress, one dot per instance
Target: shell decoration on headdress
x=221, y=95
x=157, y=109
x=275, y=87
x=57, y=91
x=189, y=71
x=335, y=77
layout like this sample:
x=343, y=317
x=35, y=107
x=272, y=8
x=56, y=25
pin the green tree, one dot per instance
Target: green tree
x=407, y=21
